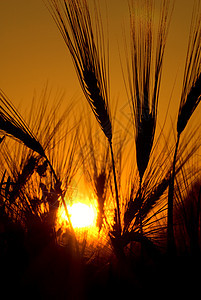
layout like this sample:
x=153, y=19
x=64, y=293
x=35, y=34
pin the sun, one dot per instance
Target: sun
x=82, y=215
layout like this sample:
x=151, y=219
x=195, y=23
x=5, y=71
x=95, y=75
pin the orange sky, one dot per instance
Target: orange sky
x=32, y=52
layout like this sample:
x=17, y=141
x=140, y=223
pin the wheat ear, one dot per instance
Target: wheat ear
x=12, y=124
x=190, y=98
x=144, y=74
x=88, y=53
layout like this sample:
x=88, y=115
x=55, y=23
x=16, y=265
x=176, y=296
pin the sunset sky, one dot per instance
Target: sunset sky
x=33, y=52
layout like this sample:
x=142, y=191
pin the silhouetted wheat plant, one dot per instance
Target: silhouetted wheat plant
x=190, y=98
x=154, y=192
x=88, y=50
x=13, y=125
x=52, y=132
x=96, y=167
x=144, y=69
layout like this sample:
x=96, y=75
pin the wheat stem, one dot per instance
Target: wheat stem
x=116, y=191
x=170, y=228
x=140, y=209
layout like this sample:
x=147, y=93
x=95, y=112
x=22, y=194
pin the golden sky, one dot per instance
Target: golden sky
x=32, y=52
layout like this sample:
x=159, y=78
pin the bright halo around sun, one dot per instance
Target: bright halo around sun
x=82, y=215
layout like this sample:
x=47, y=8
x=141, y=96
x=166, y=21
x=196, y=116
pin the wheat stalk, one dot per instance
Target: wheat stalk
x=13, y=125
x=96, y=167
x=144, y=74
x=190, y=98
x=88, y=53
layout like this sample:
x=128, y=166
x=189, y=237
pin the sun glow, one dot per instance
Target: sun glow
x=82, y=215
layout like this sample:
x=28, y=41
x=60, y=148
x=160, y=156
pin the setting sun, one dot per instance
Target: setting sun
x=82, y=215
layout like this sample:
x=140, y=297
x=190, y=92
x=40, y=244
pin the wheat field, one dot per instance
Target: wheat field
x=91, y=211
